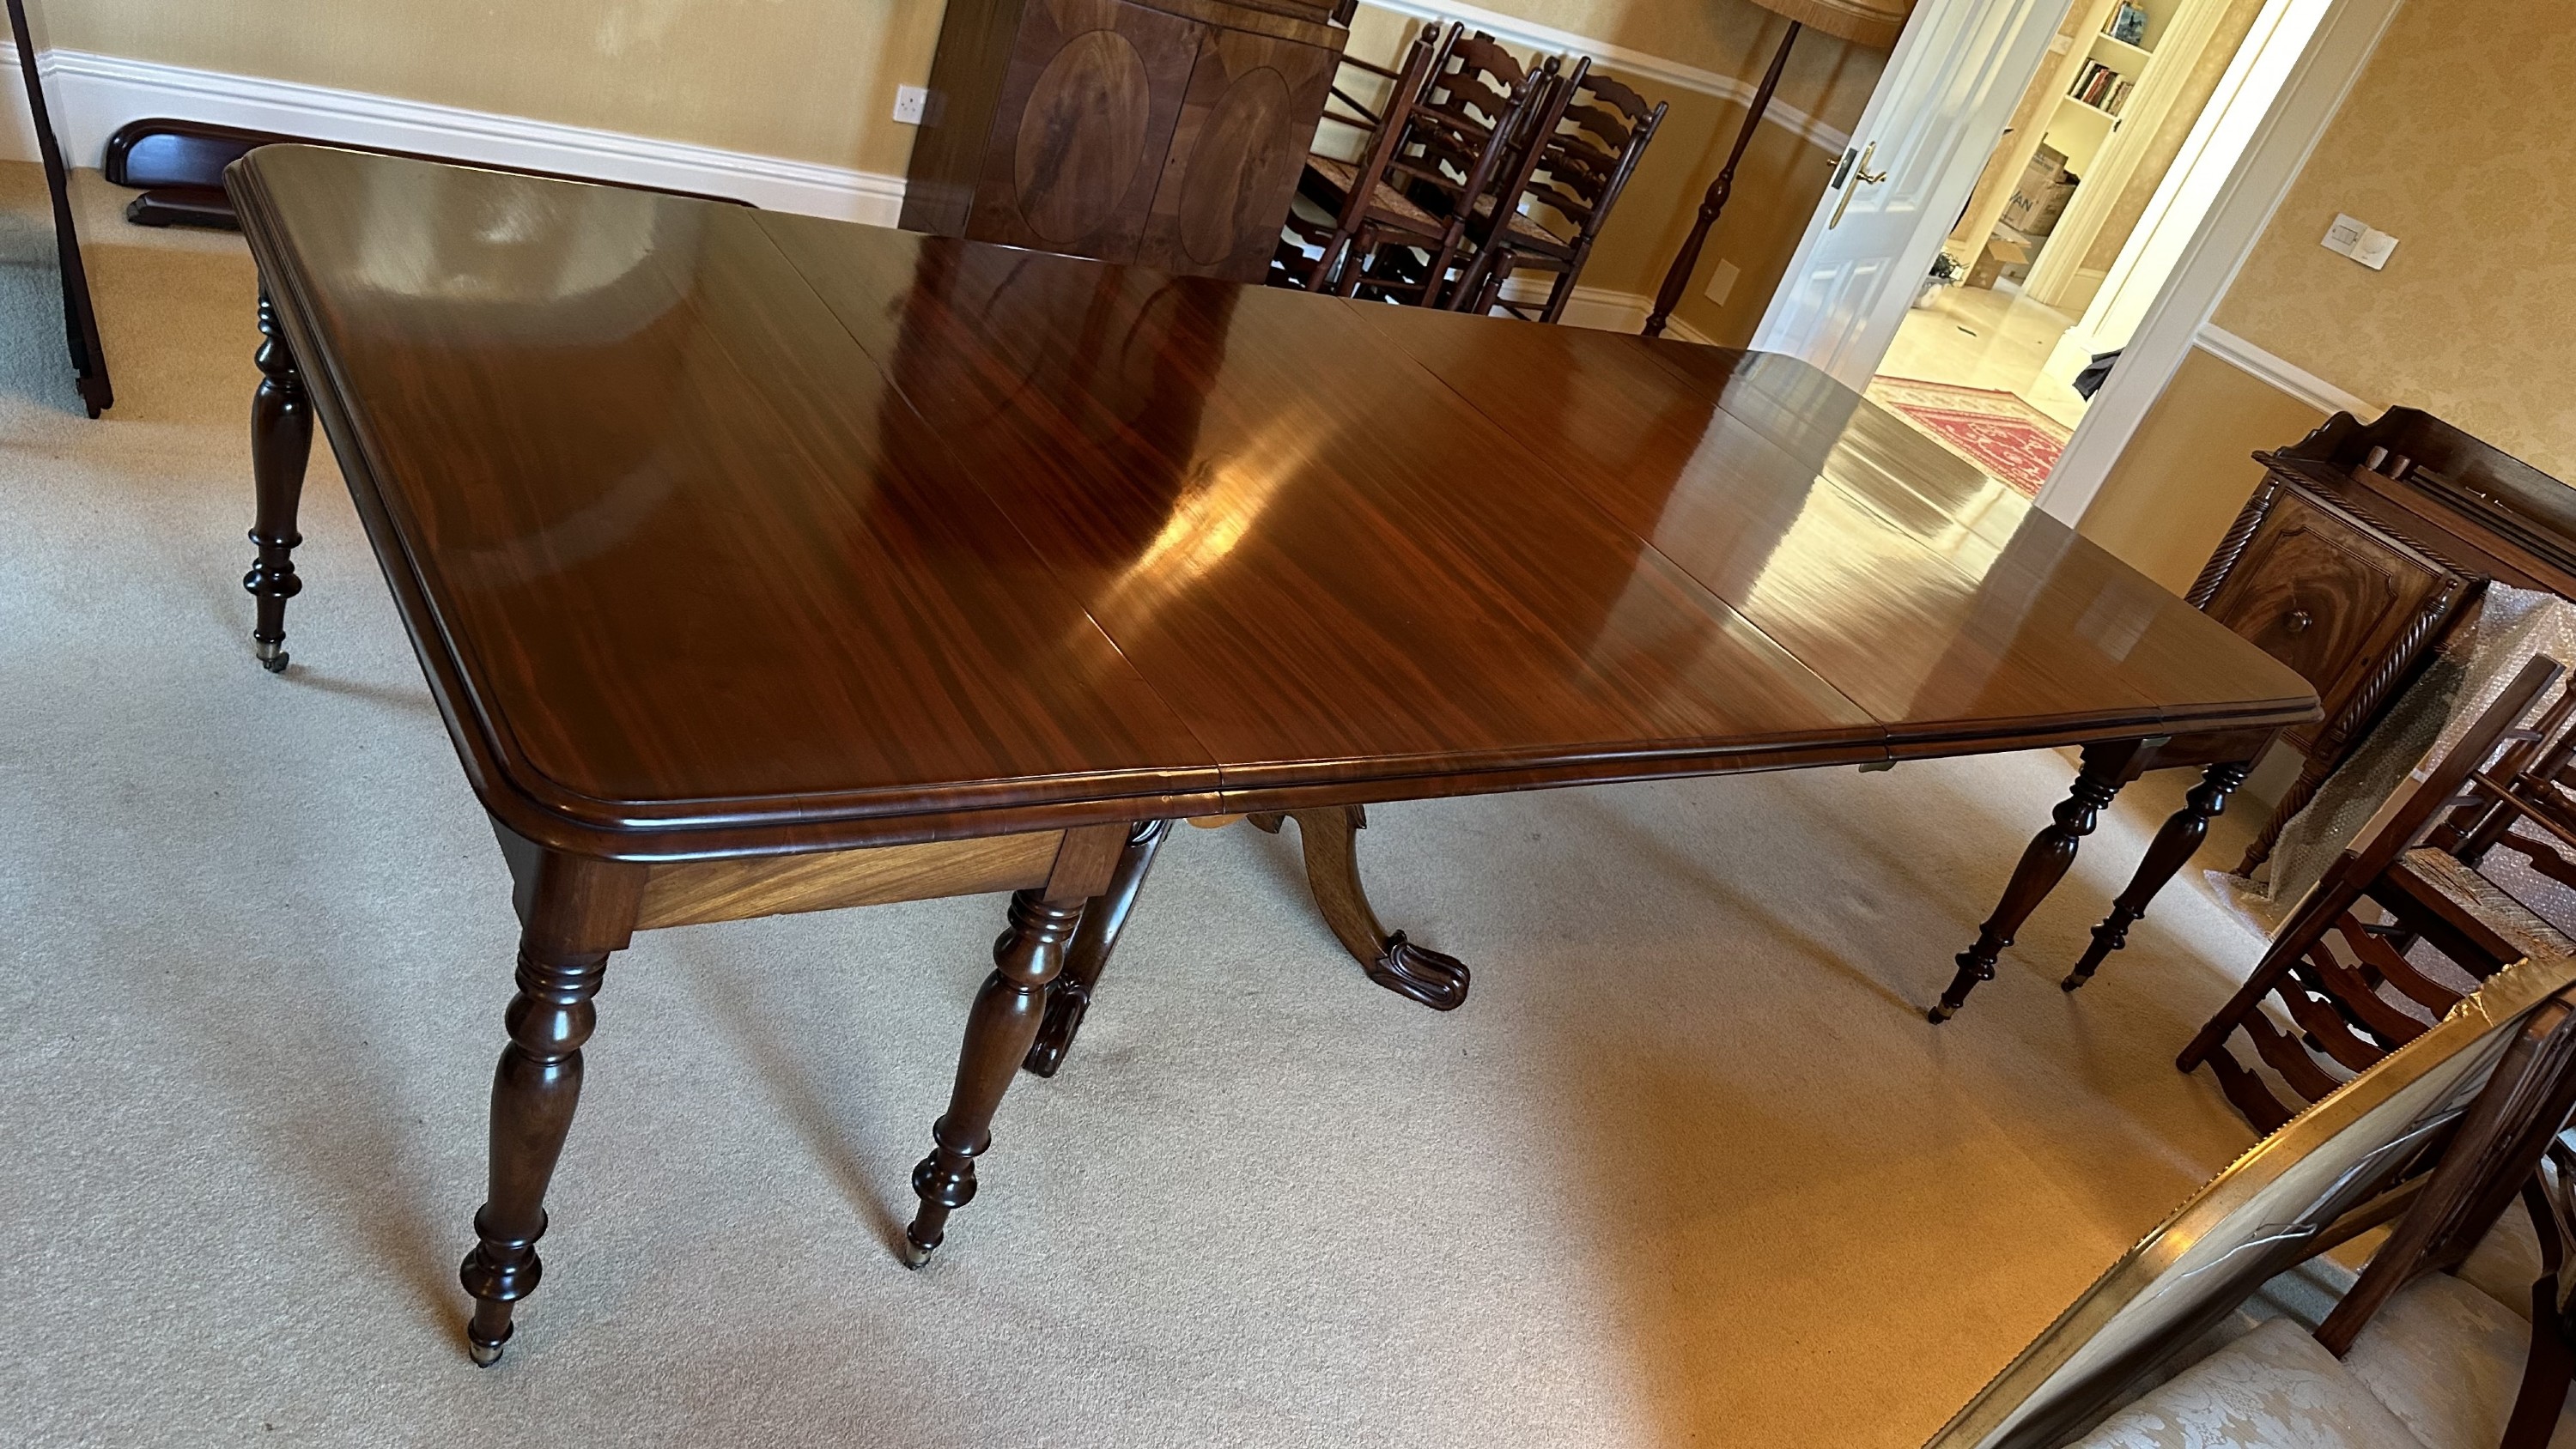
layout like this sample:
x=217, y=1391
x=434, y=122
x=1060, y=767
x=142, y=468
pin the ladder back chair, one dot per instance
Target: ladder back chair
x=1328, y=208
x=1591, y=147
x=2352, y=1003
x=1453, y=143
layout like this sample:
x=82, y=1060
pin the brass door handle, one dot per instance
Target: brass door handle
x=1861, y=176
x=2300, y=619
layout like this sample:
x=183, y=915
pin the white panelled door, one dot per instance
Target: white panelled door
x=1939, y=110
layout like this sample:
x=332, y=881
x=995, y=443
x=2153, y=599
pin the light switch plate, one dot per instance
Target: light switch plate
x=2345, y=234
x=1721, y=282
x=910, y=102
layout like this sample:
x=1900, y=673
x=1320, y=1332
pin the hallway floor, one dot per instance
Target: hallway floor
x=1998, y=339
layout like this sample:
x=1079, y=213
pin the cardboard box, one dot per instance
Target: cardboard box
x=2000, y=252
x=2041, y=196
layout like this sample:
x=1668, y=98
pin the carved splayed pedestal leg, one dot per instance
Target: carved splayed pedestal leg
x=1069, y=996
x=2106, y=768
x=999, y=1031
x=2176, y=843
x=1330, y=837
x=281, y=440
x=579, y=911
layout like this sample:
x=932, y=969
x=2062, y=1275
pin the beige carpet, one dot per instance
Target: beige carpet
x=1690, y=1168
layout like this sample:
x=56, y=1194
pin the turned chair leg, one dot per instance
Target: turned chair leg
x=281, y=440
x=999, y=1031
x=2176, y=843
x=1069, y=995
x=580, y=912
x=2043, y=865
x=1330, y=837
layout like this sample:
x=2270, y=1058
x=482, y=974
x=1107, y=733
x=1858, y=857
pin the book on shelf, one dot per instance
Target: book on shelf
x=2100, y=86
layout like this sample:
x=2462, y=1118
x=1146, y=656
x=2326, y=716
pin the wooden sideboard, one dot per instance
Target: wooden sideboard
x=1166, y=132
x=2360, y=549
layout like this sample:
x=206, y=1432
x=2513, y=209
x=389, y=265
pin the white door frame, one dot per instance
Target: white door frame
x=2335, y=58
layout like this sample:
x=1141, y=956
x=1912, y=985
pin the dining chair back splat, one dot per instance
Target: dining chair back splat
x=1590, y=151
x=2336, y=1001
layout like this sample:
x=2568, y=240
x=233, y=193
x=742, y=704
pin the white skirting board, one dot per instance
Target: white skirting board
x=93, y=95
x=2282, y=374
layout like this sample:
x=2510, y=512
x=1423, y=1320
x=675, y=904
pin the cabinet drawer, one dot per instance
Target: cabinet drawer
x=2328, y=597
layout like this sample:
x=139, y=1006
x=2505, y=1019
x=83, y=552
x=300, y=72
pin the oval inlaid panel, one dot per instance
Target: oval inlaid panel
x=1082, y=135
x=1243, y=135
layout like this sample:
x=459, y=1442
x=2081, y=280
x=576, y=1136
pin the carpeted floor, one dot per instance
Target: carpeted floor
x=1690, y=1168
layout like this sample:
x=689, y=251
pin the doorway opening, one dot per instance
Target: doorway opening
x=2137, y=118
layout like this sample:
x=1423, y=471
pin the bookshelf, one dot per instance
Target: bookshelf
x=2104, y=83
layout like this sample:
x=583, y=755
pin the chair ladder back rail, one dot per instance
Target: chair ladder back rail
x=1491, y=217
x=1446, y=130
x=2470, y=833
x=2495, y=1148
x=1351, y=212
x=1589, y=157
x=2442, y=786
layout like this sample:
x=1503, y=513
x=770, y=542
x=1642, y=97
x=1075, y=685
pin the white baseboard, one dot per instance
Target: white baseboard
x=2287, y=376
x=1633, y=66
x=1599, y=308
x=93, y=95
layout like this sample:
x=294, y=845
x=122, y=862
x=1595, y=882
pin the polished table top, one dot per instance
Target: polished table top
x=731, y=530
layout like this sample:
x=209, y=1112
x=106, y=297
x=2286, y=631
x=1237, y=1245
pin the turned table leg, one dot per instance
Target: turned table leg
x=1330, y=837
x=999, y=1031
x=2177, y=842
x=2043, y=864
x=281, y=440
x=1069, y=995
x=580, y=911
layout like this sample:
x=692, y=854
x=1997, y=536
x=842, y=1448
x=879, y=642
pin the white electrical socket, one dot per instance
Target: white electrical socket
x=1721, y=282
x=910, y=104
x=2352, y=237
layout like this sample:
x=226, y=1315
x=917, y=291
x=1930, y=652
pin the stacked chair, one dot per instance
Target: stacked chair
x=1435, y=210
x=2405, y=924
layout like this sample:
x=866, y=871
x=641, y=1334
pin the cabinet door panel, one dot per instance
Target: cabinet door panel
x=2324, y=597
x=1093, y=90
x=1244, y=130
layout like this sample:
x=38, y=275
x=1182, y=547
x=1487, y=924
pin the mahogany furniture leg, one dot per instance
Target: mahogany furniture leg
x=1331, y=840
x=2043, y=864
x=281, y=440
x=1677, y=276
x=998, y=1033
x=1069, y=996
x=576, y=912
x=2177, y=842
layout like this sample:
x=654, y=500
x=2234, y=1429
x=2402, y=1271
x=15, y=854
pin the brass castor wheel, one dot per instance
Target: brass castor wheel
x=1940, y=1014
x=914, y=1254
x=484, y=1354
x=272, y=657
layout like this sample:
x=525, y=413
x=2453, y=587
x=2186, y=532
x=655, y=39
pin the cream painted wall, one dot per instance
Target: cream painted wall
x=2455, y=141
x=810, y=80
x=2190, y=468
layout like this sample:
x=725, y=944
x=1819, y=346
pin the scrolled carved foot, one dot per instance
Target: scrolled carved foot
x=1066, y=1003
x=1437, y=980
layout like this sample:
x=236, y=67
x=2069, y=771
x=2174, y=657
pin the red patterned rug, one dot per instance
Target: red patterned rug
x=2003, y=435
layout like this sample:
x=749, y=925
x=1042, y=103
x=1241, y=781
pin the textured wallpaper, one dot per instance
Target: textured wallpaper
x=2457, y=140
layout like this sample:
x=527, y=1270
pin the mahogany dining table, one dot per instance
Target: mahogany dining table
x=760, y=563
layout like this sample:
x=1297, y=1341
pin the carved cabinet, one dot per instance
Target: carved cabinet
x=2362, y=545
x=1163, y=132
